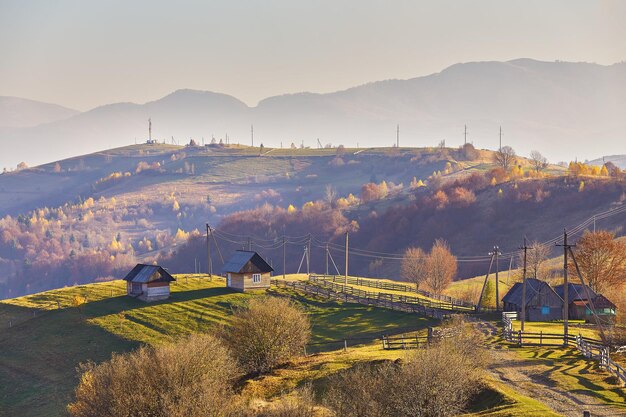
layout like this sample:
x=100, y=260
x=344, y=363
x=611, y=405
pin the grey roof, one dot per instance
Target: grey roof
x=148, y=273
x=244, y=261
x=574, y=292
x=533, y=287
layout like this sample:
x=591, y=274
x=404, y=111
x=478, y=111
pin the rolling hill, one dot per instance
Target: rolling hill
x=91, y=217
x=542, y=105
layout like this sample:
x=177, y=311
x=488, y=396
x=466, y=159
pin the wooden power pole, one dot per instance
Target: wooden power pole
x=346, y=275
x=208, y=248
x=566, y=248
x=523, y=318
x=496, y=253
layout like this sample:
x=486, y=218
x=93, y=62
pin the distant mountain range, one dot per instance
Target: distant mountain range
x=20, y=112
x=565, y=110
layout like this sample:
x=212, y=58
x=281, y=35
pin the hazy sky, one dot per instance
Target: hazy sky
x=82, y=54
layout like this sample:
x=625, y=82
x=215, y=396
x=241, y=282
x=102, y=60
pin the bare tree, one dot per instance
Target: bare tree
x=538, y=161
x=268, y=332
x=441, y=266
x=504, y=157
x=330, y=195
x=602, y=260
x=535, y=259
x=413, y=267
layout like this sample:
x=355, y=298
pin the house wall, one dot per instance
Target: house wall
x=155, y=291
x=243, y=282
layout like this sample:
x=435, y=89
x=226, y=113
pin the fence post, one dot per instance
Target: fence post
x=305, y=355
x=417, y=341
x=541, y=338
x=519, y=337
x=403, y=345
x=430, y=335
x=345, y=345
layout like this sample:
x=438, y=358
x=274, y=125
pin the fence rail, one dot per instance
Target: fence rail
x=425, y=302
x=391, y=286
x=359, y=298
x=589, y=347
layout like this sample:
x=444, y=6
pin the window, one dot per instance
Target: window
x=545, y=310
x=256, y=278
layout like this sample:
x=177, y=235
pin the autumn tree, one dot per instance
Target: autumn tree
x=330, y=195
x=538, y=161
x=413, y=267
x=441, y=265
x=504, y=157
x=602, y=260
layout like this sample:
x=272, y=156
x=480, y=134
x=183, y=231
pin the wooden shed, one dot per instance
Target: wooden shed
x=247, y=270
x=580, y=308
x=148, y=283
x=542, y=302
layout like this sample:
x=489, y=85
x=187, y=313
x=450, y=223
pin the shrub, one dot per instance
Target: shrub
x=436, y=381
x=266, y=333
x=192, y=377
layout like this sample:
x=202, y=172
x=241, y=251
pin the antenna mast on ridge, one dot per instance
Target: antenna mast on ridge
x=150, y=129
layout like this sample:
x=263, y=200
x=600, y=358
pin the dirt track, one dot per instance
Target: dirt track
x=534, y=381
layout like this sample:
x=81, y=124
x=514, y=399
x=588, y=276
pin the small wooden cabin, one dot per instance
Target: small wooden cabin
x=247, y=270
x=148, y=283
x=580, y=308
x=542, y=302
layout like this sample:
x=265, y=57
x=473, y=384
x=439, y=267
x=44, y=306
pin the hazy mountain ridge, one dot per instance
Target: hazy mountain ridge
x=556, y=107
x=18, y=112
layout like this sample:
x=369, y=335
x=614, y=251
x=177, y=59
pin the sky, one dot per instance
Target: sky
x=82, y=54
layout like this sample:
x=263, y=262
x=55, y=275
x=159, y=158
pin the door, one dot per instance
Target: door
x=228, y=280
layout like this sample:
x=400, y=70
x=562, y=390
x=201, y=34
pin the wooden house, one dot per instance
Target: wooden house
x=148, y=283
x=542, y=302
x=247, y=270
x=580, y=308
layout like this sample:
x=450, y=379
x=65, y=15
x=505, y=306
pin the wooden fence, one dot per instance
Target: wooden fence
x=425, y=302
x=360, y=298
x=391, y=286
x=590, y=348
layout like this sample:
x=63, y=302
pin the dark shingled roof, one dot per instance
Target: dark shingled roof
x=574, y=292
x=533, y=286
x=244, y=261
x=148, y=273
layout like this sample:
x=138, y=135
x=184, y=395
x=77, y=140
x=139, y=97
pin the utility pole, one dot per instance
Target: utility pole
x=326, y=258
x=252, y=134
x=284, y=257
x=465, y=136
x=249, y=244
x=566, y=248
x=308, y=255
x=346, y=276
x=398, y=136
x=496, y=253
x=523, y=319
x=500, y=148
x=208, y=248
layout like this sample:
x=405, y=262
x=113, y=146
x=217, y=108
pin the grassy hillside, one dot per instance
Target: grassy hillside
x=45, y=343
x=44, y=346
